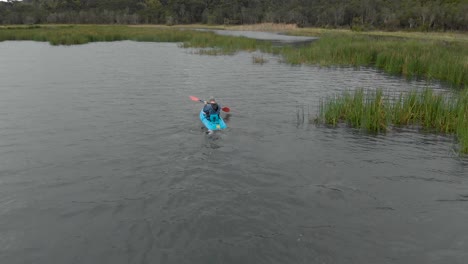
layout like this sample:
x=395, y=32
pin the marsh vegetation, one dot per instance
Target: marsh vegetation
x=434, y=57
x=414, y=58
x=378, y=111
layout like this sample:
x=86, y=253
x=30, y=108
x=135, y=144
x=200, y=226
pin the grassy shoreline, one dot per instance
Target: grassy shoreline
x=376, y=112
x=432, y=58
x=407, y=54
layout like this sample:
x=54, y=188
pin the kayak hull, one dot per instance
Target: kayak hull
x=218, y=124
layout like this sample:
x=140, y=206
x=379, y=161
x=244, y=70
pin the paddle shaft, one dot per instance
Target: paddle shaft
x=225, y=109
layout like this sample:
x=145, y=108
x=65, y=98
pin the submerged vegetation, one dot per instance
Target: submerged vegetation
x=374, y=111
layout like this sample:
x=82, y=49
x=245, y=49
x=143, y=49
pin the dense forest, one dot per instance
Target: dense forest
x=422, y=15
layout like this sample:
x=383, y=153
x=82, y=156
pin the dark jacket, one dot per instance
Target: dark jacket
x=211, y=109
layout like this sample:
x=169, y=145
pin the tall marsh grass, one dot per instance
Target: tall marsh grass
x=82, y=34
x=374, y=111
x=432, y=60
x=413, y=58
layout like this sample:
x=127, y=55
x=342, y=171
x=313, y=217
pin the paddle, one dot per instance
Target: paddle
x=193, y=98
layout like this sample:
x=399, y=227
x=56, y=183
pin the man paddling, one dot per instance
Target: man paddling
x=211, y=110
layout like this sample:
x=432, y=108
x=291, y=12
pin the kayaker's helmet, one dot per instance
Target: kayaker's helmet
x=212, y=100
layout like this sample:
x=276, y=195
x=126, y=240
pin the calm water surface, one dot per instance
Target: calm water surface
x=102, y=160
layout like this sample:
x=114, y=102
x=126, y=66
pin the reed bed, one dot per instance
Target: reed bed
x=225, y=44
x=374, y=111
x=82, y=34
x=432, y=60
x=413, y=58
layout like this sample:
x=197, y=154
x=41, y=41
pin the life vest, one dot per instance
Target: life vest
x=212, y=111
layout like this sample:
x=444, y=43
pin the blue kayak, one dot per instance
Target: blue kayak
x=215, y=122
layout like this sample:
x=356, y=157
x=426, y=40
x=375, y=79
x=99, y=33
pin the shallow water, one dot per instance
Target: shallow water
x=275, y=38
x=102, y=160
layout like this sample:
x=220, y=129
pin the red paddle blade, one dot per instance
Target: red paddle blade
x=193, y=98
x=226, y=109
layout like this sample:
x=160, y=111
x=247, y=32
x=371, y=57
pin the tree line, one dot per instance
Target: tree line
x=357, y=14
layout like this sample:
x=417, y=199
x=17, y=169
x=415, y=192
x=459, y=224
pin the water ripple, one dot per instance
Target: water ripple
x=103, y=160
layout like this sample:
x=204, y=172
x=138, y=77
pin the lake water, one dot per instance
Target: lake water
x=103, y=160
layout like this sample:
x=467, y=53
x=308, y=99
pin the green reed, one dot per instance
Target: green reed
x=461, y=108
x=82, y=34
x=361, y=110
x=372, y=111
x=375, y=112
x=411, y=58
x=226, y=44
x=429, y=59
